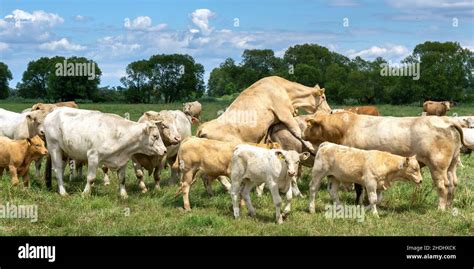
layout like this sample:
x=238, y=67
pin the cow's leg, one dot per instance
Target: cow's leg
x=440, y=178
x=333, y=190
x=157, y=177
x=1, y=172
x=207, y=181
x=225, y=183
x=285, y=115
x=140, y=175
x=121, y=177
x=246, y=195
x=93, y=163
x=276, y=200
x=57, y=165
x=38, y=168
x=234, y=194
x=79, y=165
x=187, y=179
x=14, y=175
x=371, y=187
x=289, y=197
x=452, y=180
x=314, y=188
x=260, y=189
x=105, y=169
x=359, y=189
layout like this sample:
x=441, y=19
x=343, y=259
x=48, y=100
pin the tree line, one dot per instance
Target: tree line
x=434, y=70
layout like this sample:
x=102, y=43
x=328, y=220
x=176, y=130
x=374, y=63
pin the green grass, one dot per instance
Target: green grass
x=404, y=210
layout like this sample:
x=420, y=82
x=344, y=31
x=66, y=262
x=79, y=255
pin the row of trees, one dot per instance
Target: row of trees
x=445, y=73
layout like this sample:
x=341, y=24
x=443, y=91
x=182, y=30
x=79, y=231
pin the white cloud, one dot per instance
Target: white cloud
x=397, y=52
x=142, y=23
x=445, y=4
x=200, y=17
x=61, y=45
x=21, y=26
x=431, y=9
x=343, y=3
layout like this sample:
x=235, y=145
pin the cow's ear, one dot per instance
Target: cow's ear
x=406, y=162
x=280, y=155
x=30, y=118
x=322, y=91
x=194, y=120
x=29, y=141
x=312, y=121
x=304, y=156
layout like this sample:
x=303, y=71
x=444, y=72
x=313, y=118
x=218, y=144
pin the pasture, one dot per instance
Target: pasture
x=405, y=210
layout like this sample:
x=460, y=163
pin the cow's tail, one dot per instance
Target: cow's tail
x=461, y=133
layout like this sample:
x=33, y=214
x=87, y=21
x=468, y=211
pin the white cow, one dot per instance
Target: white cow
x=469, y=137
x=21, y=125
x=98, y=138
x=254, y=165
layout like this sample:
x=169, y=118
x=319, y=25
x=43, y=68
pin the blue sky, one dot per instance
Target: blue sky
x=115, y=33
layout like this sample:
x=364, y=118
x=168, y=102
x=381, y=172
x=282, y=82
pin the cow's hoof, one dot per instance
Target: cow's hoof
x=252, y=214
x=106, y=183
x=280, y=221
x=157, y=187
x=145, y=190
x=285, y=215
x=312, y=210
x=15, y=183
x=85, y=194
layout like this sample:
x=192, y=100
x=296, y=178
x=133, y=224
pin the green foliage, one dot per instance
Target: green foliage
x=60, y=79
x=164, y=78
x=5, y=76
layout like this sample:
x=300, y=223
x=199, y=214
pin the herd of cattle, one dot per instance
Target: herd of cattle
x=354, y=146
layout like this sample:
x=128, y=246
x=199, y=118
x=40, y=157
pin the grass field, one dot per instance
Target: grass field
x=405, y=210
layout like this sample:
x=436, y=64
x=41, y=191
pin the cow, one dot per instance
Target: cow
x=464, y=121
x=174, y=126
x=193, y=111
x=436, y=108
x=50, y=107
x=17, y=155
x=98, y=138
x=373, y=169
x=255, y=165
x=270, y=100
x=435, y=141
x=364, y=110
x=21, y=125
x=469, y=138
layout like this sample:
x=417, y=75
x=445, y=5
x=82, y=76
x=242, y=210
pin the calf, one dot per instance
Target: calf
x=436, y=108
x=364, y=110
x=16, y=156
x=373, y=169
x=254, y=165
x=98, y=138
x=21, y=125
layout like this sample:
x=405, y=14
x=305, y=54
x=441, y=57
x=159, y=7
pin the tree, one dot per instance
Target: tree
x=137, y=82
x=60, y=79
x=5, y=76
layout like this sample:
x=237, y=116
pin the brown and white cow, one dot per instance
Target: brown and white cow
x=364, y=110
x=17, y=155
x=266, y=102
x=436, y=108
x=50, y=107
x=373, y=169
x=436, y=141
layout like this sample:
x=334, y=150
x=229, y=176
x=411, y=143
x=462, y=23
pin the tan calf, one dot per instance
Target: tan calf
x=16, y=156
x=436, y=108
x=373, y=169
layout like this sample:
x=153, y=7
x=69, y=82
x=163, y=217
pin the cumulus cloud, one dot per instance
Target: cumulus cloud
x=389, y=52
x=142, y=23
x=200, y=18
x=61, y=45
x=21, y=26
x=429, y=9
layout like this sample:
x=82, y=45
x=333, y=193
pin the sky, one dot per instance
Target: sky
x=115, y=33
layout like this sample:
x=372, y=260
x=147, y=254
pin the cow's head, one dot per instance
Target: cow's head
x=291, y=160
x=167, y=125
x=327, y=127
x=190, y=108
x=36, y=147
x=35, y=120
x=447, y=104
x=316, y=101
x=151, y=140
x=410, y=170
x=45, y=107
